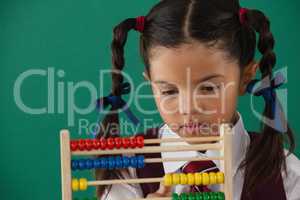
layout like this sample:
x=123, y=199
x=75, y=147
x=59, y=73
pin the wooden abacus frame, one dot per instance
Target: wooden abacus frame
x=223, y=144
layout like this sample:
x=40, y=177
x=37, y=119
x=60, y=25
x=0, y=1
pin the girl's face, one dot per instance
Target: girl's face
x=195, y=88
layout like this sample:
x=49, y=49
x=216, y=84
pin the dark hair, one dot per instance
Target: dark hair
x=215, y=23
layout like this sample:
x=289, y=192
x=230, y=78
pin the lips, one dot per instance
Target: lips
x=191, y=127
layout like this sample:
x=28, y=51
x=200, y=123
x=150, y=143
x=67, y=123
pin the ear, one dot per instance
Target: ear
x=247, y=75
x=146, y=77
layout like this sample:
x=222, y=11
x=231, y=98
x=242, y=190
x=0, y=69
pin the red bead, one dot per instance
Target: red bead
x=140, y=141
x=133, y=142
x=103, y=144
x=82, y=145
x=110, y=143
x=96, y=144
x=118, y=142
x=125, y=142
x=74, y=145
x=89, y=144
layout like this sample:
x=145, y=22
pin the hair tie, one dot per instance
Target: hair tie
x=140, y=23
x=118, y=102
x=242, y=15
x=267, y=90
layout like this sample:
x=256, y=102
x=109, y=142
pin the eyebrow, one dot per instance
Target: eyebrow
x=200, y=80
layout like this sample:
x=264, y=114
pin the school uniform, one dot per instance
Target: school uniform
x=285, y=187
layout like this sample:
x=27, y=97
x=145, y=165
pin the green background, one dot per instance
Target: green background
x=74, y=36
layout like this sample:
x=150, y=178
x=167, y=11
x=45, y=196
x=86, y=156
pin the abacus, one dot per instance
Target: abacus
x=110, y=150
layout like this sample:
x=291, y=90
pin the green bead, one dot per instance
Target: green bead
x=184, y=196
x=199, y=196
x=206, y=196
x=175, y=196
x=192, y=196
x=213, y=196
x=221, y=196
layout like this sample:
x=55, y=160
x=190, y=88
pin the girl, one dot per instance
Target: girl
x=206, y=49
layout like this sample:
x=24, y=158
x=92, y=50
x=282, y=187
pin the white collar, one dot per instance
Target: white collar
x=241, y=140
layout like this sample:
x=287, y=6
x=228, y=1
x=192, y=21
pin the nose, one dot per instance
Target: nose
x=186, y=103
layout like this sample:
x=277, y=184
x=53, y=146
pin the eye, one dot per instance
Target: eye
x=169, y=92
x=209, y=89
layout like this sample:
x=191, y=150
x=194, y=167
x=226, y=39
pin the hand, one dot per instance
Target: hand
x=163, y=191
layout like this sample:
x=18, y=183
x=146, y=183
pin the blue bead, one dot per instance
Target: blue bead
x=89, y=163
x=81, y=164
x=126, y=161
x=119, y=162
x=133, y=162
x=74, y=164
x=111, y=162
x=104, y=163
x=140, y=161
x=97, y=163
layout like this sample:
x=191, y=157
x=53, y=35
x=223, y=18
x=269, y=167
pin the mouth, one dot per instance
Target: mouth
x=191, y=127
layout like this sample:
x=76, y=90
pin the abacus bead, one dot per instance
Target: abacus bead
x=89, y=164
x=89, y=144
x=206, y=196
x=104, y=163
x=168, y=180
x=97, y=163
x=81, y=145
x=81, y=164
x=205, y=178
x=221, y=196
x=110, y=143
x=126, y=161
x=199, y=196
x=192, y=196
x=74, y=164
x=140, y=141
x=175, y=196
x=198, y=178
x=96, y=144
x=118, y=142
x=140, y=161
x=119, y=162
x=176, y=178
x=74, y=145
x=133, y=162
x=103, y=144
x=82, y=184
x=125, y=142
x=191, y=179
x=220, y=177
x=183, y=196
x=213, y=196
x=133, y=142
x=183, y=179
x=75, y=184
x=212, y=178
x=111, y=162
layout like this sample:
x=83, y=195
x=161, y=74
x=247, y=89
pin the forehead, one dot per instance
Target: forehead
x=196, y=61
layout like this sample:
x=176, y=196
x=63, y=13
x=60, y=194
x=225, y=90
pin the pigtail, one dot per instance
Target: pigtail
x=109, y=126
x=266, y=156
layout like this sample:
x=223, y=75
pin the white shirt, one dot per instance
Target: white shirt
x=241, y=140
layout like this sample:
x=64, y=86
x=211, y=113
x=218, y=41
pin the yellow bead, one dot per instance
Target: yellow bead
x=183, y=179
x=168, y=180
x=75, y=184
x=212, y=178
x=83, y=184
x=191, y=179
x=220, y=177
x=176, y=179
x=205, y=178
x=198, y=179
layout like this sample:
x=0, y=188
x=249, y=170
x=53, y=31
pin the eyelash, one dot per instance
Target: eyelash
x=169, y=92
